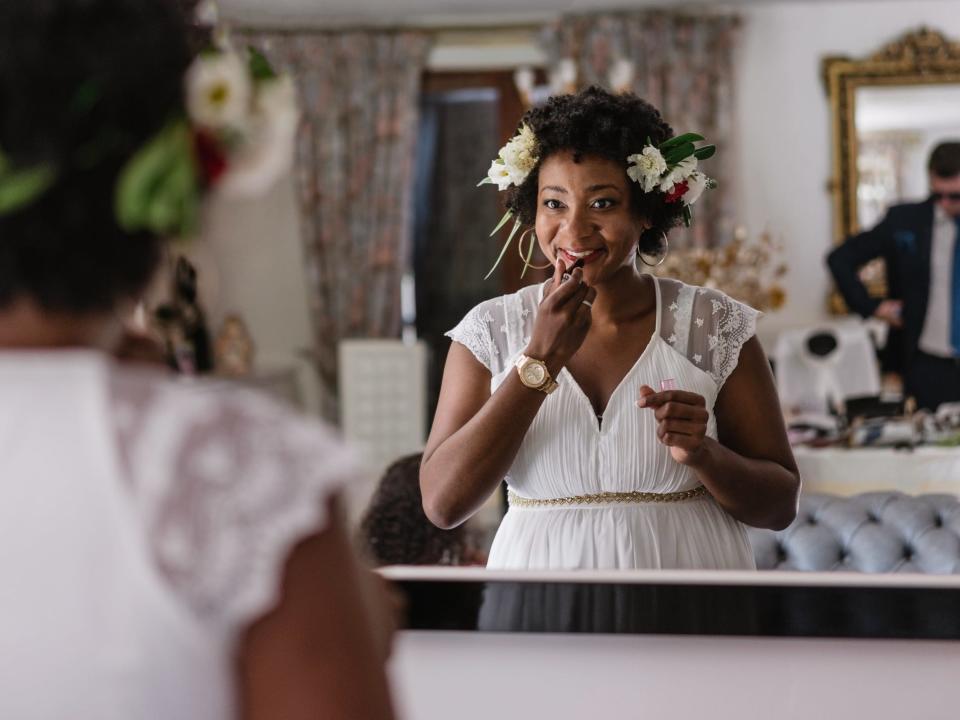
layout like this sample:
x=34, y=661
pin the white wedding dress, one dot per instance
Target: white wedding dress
x=144, y=524
x=568, y=451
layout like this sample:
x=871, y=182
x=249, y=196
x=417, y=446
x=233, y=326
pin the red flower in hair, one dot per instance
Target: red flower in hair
x=212, y=160
x=678, y=191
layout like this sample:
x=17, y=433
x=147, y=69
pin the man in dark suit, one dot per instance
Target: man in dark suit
x=919, y=244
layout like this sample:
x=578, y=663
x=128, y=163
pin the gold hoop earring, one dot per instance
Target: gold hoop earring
x=666, y=251
x=526, y=258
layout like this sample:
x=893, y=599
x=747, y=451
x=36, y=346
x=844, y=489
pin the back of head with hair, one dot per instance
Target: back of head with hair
x=83, y=85
x=395, y=529
x=945, y=159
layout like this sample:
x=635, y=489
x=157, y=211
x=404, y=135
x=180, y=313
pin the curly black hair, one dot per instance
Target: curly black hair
x=602, y=124
x=83, y=85
x=396, y=531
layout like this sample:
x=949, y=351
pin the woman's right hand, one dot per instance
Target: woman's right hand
x=562, y=320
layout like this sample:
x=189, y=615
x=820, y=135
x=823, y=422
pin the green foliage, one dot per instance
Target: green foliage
x=158, y=189
x=21, y=187
x=260, y=68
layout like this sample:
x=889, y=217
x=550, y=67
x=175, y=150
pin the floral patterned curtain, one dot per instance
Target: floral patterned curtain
x=359, y=93
x=683, y=65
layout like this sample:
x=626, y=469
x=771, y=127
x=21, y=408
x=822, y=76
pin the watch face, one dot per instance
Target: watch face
x=534, y=373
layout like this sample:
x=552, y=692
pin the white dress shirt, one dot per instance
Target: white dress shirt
x=935, y=338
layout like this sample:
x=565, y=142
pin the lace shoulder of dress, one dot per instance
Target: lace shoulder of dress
x=497, y=329
x=706, y=326
x=226, y=482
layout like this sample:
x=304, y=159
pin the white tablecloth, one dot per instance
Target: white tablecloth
x=848, y=472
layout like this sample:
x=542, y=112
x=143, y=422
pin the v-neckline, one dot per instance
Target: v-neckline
x=653, y=339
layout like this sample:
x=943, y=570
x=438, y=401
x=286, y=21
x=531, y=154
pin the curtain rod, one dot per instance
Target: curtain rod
x=384, y=28
x=687, y=12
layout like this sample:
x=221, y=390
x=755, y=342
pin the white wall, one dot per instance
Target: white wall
x=251, y=262
x=783, y=116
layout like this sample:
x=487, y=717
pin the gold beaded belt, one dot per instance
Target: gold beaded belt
x=607, y=498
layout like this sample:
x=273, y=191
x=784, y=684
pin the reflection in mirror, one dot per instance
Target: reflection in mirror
x=681, y=603
x=612, y=402
x=897, y=127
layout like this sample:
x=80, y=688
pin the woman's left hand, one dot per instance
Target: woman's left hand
x=681, y=421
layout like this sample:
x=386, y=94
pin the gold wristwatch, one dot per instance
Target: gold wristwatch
x=534, y=374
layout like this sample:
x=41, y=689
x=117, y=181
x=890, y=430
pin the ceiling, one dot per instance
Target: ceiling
x=415, y=12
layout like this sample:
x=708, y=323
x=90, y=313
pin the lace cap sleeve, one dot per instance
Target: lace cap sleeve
x=706, y=326
x=726, y=326
x=227, y=486
x=476, y=333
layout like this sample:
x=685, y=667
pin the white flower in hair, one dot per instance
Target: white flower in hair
x=696, y=184
x=647, y=167
x=266, y=155
x=499, y=175
x=218, y=90
x=681, y=172
x=517, y=158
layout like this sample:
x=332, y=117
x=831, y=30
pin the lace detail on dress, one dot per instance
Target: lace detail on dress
x=499, y=328
x=735, y=323
x=475, y=332
x=226, y=485
x=682, y=308
x=705, y=326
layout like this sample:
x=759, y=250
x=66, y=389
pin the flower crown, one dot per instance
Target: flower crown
x=237, y=134
x=669, y=168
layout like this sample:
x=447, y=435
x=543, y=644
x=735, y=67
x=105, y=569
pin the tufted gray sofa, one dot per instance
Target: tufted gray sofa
x=872, y=532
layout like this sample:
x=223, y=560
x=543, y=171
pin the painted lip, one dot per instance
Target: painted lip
x=569, y=258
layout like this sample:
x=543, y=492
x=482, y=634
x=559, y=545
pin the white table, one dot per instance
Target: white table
x=437, y=675
x=849, y=472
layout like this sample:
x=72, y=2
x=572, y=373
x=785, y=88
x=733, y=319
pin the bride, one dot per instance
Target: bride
x=634, y=419
x=167, y=549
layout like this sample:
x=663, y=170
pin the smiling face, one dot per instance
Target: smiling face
x=584, y=211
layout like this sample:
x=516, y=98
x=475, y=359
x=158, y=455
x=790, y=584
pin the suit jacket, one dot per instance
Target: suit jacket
x=903, y=239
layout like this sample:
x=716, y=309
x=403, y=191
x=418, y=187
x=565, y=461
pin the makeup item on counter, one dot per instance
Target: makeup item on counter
x=668, y=384
x=569, y=271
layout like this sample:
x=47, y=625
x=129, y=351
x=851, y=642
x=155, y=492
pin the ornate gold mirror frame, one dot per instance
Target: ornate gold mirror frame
x=923, y=57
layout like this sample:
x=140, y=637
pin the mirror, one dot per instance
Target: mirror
x=897, y=126
x=887, y=110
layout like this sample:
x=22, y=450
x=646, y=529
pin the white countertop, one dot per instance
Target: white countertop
x=673, y=577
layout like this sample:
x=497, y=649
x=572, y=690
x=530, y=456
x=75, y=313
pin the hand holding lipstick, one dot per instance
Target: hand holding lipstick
x=681, y=421
x=563, y=318
x=569, y=271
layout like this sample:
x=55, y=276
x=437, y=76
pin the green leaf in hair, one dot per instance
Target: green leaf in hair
x=20, y=188
x=503, y=221
x=706, y=152
x=528, y=256
x=260, y=68
x=513, y=231
x=681, y=152
x=679, y=140
x=158, y=189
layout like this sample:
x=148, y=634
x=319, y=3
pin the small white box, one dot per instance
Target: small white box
x=383, y=402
